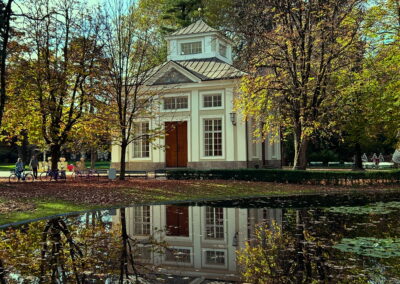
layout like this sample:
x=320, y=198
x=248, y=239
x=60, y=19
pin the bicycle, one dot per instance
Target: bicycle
x=89, y=174
x=25, y=177
x=50, y=175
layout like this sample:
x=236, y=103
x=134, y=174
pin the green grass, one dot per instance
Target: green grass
x=160, y=192
x=43, y=209
x=7, y=167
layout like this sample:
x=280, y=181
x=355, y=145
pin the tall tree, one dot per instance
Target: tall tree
x=131, y=46
x=5, y=29
x=371, y=90
x=65, y=56
x=293, y=49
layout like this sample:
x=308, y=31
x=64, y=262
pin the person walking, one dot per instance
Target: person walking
x=19, y=168
x=34, y=163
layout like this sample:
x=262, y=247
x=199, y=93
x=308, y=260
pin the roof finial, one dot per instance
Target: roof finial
x=200, y=10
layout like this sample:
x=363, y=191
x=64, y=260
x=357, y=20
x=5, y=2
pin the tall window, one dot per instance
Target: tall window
x=191, y=48
x=214, y=223
x=212, y=100
x=222, y=49
x=212, y=137
x=215, y=257
x=141, y=146
x=141, y=220
x=171, y=103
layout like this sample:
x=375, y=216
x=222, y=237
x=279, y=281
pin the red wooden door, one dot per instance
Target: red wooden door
x=176, y=144
x=177, y=221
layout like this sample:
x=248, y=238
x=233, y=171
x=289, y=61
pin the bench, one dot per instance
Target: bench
x=102, y=172
x=386, y=165
x=135, y=174
x=368, y=165
x=334, y=164
x=316, y=164
x=160, y=173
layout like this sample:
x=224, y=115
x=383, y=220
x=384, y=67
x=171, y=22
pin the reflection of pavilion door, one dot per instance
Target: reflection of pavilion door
x=176, y=144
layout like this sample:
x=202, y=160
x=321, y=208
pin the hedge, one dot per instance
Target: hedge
x=289, y=176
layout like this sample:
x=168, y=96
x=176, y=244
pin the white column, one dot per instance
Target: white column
x=229, y=127
x=197, y=228
x=242, y=229
x=194, y=129
x=231, y=231
x=241, y=138
x=157, y=223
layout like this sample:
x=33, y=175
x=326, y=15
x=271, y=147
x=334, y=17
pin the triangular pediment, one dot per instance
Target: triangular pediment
x=172, y=73
x=172, y=76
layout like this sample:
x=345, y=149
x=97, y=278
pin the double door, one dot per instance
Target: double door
x=176, y=152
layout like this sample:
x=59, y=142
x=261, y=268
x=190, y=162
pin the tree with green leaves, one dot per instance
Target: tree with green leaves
x=370, y=91
x=132, y=48
x=62, y=72
x=293, y=49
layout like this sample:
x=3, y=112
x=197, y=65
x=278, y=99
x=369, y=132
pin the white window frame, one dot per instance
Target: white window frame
x=149, y=158
x=191, y=42
x=187, y=95
x=204, y=258
x=214, y=92
x=187, y=56
x=205, y=237
x=134, y=223
x=177, y=262
x=202, y=118
x=220, y=44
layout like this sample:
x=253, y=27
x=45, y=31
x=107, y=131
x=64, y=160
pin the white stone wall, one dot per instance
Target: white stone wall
x=234, y=136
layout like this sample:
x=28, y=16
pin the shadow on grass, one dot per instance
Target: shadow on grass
x=43, y=209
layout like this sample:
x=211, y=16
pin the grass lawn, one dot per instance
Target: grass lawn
x=23, y=201
x=7, y=167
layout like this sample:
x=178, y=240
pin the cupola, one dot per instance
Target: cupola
x=199, y=41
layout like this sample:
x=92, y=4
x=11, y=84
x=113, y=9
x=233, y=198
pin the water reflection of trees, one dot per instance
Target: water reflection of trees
x=71, y=250
x=300, y=251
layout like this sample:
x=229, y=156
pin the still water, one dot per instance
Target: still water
x=350, y=238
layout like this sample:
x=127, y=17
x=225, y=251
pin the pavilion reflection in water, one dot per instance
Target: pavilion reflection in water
x=202, y=241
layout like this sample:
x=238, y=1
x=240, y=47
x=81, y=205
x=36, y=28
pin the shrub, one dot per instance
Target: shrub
x=289, y=176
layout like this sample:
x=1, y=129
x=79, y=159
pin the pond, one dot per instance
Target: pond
x=347, y=238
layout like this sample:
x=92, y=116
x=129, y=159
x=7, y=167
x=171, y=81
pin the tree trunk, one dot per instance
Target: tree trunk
x=123, y=160
x=300, y=151
x=55, y=156
x=93, y=158
x=2, y=273
x=5, y=30
x=358, y=166
x=124, y=256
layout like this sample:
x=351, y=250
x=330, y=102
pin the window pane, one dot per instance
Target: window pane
x=172, y=103
x=178, y=255
x=214, y=223
x=191, y=48
x=222, y=50
x=212, y=137
x=141, y=146
x=141, y=220
x=214, y=100
x=215, y=257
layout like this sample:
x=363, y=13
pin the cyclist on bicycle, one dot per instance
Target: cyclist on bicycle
x=19, y=168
